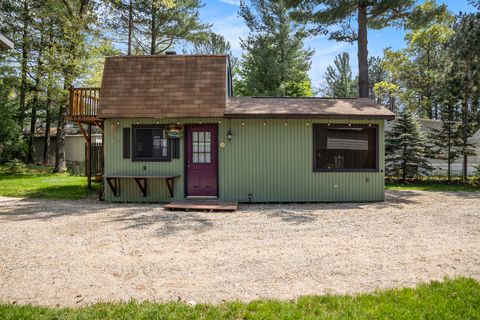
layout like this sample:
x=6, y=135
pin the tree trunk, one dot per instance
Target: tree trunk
x=48, y=120
x=33, y=118
x=449, y=164
x=466, y=97
x=130, y=27
x=153, y=26
x=24, y=65
x=362, y=51
x=60, y=161
x=465, y=142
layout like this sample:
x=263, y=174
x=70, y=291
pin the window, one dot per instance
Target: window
x=345, y=148
x=149, y=144
x=201, y=146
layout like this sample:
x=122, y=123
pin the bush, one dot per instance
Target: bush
x=15, y=167
x=476, y=174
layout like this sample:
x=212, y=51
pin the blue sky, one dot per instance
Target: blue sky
x=222, y=14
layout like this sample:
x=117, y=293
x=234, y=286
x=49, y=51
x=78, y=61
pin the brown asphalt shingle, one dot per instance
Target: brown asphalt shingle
x=282, y=107
x=164, y=86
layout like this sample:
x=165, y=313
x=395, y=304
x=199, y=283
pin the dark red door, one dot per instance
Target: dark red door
x=201, y=160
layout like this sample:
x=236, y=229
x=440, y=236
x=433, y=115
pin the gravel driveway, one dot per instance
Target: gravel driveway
x=80, y=252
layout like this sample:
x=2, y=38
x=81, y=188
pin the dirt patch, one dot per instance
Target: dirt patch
x=80, y=252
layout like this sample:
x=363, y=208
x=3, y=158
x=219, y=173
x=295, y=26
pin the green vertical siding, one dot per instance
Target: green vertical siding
x=273, y=162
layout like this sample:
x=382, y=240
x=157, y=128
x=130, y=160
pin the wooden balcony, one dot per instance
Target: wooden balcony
x=83, y=106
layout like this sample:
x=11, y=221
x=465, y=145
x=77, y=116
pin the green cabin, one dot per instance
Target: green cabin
x=173, y=131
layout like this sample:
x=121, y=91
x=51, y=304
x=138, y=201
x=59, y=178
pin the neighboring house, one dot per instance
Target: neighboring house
x=440, y=167
x=5, y=43
x=172, y=130
x=74, y=149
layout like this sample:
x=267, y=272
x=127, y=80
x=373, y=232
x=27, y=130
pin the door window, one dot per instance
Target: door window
x=201, y=146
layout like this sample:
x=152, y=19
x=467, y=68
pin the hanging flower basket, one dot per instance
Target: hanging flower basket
x=174, y=131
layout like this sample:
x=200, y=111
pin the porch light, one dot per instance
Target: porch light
x=229, y=135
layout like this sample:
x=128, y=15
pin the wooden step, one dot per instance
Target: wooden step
x=205, y=205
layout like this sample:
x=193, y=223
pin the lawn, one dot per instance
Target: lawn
x=449, y=299
x=38, y=182
x=433, y=185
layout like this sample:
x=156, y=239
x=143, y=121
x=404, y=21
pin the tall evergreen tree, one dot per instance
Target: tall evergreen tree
x=216, y=44
x=338, y=78
x=464, y=58
x=275, y=62
x=328, y=15
x=405, y=150
x=163, y=23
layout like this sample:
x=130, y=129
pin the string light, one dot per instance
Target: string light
x=307, y=123
x=349, y=124
x=243, y=123
x=200, y=121
x=286, y=123
x=138, y=122
x=219, y=121
x=328, y=124
x=264, y=123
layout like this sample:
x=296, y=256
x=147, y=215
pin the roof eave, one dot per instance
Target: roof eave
x=309, y=116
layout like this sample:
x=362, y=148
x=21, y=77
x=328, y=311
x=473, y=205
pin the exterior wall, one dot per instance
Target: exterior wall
x=272, y=162
x=74, y=147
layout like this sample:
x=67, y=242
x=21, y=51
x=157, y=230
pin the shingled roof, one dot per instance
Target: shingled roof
x=164, y=86
x=286, y=107
x=197, y=86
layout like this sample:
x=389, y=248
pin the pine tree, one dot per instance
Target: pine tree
x=335, y=18
x=405, y=150
x=161, y=24
x=376, y=74
x=338, y=78
x=465, y=61
x=216, y=44
x=275, y=59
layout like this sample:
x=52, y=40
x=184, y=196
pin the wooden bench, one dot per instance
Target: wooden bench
x=141, y=180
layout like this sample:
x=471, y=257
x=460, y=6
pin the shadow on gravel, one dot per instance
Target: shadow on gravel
x=171, y=222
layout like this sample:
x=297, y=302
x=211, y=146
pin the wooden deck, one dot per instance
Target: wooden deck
x=202, y=205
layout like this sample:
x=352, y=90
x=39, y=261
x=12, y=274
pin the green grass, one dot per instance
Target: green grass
x=450, y=299
x=37, y=182
x=432, y=186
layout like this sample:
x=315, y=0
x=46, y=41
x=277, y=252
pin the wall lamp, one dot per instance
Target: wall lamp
x=229, y=135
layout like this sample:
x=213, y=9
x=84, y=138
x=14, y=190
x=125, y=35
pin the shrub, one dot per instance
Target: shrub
x=15, y=167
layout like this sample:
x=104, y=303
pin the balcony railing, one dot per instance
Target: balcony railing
x=84, y=103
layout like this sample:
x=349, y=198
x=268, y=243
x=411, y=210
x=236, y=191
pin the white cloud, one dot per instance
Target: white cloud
x=232, y=2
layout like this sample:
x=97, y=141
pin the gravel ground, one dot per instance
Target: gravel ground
x=72, y=253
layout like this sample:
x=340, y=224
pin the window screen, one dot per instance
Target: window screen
x=345, y=148
x=150, y=144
